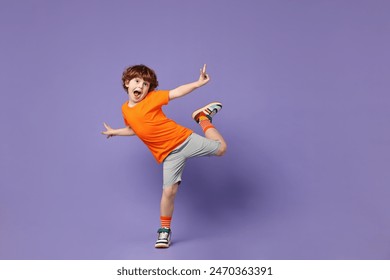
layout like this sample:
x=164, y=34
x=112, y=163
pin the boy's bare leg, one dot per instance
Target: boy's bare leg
x=166, y=211
x=213, y=134
x=168, y=200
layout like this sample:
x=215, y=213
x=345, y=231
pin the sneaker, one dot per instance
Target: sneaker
x=209, y=111
x=164, y=238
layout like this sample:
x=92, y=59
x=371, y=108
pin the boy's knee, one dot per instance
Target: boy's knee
x=222, y=149
x=170, y=192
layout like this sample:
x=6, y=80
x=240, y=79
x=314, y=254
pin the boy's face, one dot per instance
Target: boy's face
x=137, y=89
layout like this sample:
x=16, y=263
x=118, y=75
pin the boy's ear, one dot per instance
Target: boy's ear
x=127, y=83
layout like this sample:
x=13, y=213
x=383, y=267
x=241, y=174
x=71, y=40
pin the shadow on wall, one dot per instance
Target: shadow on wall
x=220, y=191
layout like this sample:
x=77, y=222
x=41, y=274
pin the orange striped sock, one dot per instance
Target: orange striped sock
x=165, y=221
x=205, y=124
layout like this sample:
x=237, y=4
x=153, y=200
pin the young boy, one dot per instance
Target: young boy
x=169, y=142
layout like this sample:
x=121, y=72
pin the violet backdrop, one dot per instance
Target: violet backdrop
x=305, y=87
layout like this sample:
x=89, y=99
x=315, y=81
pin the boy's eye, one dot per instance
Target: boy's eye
x=146, y=84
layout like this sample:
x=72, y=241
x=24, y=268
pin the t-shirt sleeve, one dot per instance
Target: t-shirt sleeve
x=162, y=97
x=123, y=115
x=124, y=120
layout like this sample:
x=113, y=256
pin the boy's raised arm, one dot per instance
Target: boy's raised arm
x=187, y=88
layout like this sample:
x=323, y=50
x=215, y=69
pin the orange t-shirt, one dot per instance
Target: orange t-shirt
x=160, y=134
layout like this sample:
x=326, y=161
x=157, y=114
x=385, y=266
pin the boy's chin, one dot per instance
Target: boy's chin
x=137, y=98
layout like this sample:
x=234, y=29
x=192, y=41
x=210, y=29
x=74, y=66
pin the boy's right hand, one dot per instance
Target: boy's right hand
x=109, y=131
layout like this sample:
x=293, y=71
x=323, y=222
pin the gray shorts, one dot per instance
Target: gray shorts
x=194, y=146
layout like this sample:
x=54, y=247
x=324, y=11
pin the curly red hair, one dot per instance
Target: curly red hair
x=140, y=71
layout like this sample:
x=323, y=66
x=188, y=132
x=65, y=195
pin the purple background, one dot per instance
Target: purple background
x=305, y=87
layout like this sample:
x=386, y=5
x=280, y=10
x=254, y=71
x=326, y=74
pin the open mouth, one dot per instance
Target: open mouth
x=137, y=93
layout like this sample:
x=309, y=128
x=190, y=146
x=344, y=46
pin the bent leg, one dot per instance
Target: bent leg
x=203, y=117
x=213, y=134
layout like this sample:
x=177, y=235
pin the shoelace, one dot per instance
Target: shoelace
x=163, y=235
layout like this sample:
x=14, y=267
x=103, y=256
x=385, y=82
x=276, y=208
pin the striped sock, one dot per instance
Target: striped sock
x=205, y=123
x=165, y=221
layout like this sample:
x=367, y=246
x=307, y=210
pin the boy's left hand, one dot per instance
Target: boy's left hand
x=204, y=78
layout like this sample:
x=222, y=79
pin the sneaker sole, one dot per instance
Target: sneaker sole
x=162, y=245
x=204, y=108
